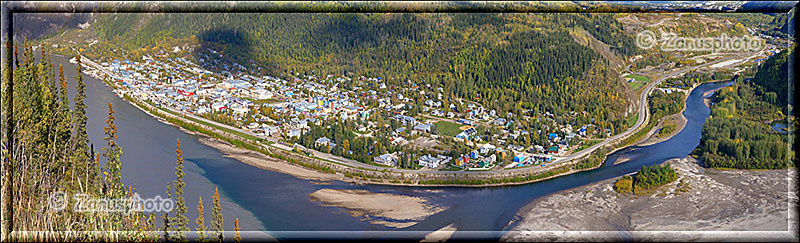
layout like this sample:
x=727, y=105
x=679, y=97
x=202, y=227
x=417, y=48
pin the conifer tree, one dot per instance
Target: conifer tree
x=167, y=228
x=236, y=235
x=63, y=128
x=179, y=222
x=80, y=158
x=201, y=225
x=216, y=215
x=112, y=153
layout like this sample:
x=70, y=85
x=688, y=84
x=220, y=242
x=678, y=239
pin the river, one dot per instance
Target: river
x=279, y=204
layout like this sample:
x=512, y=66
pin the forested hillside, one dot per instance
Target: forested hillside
x=772, y=78
x=505, y=61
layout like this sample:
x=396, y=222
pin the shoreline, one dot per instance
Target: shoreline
x=648, y=138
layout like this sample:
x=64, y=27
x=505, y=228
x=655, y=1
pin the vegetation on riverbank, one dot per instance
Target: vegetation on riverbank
x=661, y=105
x=645, y=180
x=668, y=128
x=737, y=135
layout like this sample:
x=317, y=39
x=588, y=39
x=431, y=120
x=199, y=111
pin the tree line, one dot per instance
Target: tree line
x=738, y=134
x=49, y=152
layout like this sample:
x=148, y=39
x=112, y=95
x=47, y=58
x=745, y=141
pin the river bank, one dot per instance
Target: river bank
x=701, y=199
x=652, y=136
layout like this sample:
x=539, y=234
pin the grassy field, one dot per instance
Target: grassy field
x=448, y=128
x=638, y=77
x=636, y=85
x=639, y=83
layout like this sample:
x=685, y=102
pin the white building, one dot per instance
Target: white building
x=433, y=162
x=386, y=159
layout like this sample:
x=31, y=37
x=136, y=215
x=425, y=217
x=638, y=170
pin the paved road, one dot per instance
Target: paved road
x=644, y=110
x=643, y=117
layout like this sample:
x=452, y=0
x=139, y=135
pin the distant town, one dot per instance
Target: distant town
x=287, y=110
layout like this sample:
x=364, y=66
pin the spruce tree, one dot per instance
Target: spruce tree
x=80, y=159
x=216, y=215
x=63, y=128
x=236, y=235
x=201, y=225
x=179, y=222
x=166, y=218
x=112, y=153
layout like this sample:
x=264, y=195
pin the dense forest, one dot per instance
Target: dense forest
x=771, y=80
x=507, y=62
x=50, y=154
x=738, y=134
x=662, y=104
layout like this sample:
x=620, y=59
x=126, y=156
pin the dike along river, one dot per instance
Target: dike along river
x=279, y=204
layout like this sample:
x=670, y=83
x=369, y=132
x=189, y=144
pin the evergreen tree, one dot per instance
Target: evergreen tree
x=63, y=128
x=112, y=153
x=201, y=225
x=236, y=235
x=179, y=224
x=80, y=159
x=216, y=215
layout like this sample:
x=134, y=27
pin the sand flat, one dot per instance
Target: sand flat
x=714, y=201
x=362, y=203
x=440, y=235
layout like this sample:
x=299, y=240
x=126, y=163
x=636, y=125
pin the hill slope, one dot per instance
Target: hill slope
x=507, y=62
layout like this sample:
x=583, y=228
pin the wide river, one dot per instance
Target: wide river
x=279, y=204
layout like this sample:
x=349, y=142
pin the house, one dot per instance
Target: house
x=398, y=140
x=423, y=127
x=405, y=119
x=294, y=133
x=430, y=161
x=474, y=154
x=519, y=158
x=552, y=136
x=486, y=148
x=465, y=121
x=466, y=134
x=499, y=122
x=542, y=157
x=515, y=147
x=252, y=125
x=269, y=130
x=553, y=150
x=323, y=141
x=386, y=159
